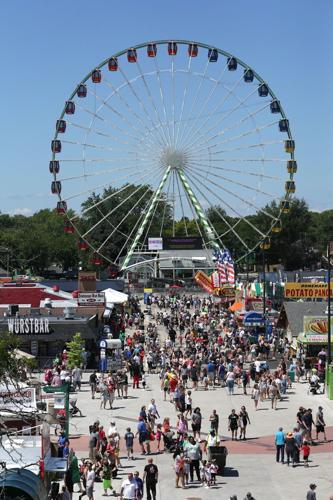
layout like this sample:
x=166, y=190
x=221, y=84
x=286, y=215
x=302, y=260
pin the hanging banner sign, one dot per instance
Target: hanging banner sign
x=306, y=291
x=155, y=243
x=28, y=326
x=91, y=298
x=203, y=280
x=17, y=398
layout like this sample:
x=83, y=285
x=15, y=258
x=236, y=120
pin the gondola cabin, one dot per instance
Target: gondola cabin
x=131, y=55
x=263, y=90
x=56, y=146
x=61, y=207
x=68, y=228
x=285, y=206
x=81, y=90
x=193, y=50
x=172, y=48
x=289, y=146
x=69, y=108
x=151, y=50
x=96, y=76
x=265, y=244
x=61, y=126
x=277, y=228
x=232, y=63
x=82, y=244
x=113, y=64
x=275, y=106
x=290, y=186
x=292, y=166
x=284, y=125
x=96, y=260
x=55, y=187
x=212, y=55
x=54, y=167
x=248, y=75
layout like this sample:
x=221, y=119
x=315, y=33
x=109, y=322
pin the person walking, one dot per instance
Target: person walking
x=214, y=421
x=243, y=421
x=150, y=475
x=139, y=483
x=280, y=444
x=255, y=395
x=320, y=423
x=311, y=494
x=129, y=488
x=93, y=384
x=290, y=445
x=233, y=424
x=193, y=452
x=90, y=481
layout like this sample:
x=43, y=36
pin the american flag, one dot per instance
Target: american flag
x=225, y=266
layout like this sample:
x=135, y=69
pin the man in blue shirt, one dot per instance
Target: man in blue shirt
x=280, y=444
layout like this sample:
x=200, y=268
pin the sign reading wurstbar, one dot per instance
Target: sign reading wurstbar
x=306, y=291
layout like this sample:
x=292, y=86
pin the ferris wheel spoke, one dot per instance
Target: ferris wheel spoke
x=200, y=164
x=124, y=218
x=251, y=188
x=185, y=92
x=255, y=130
x=153, y=104
x=194, y=102
x=240, y=198
x=114, y=209
x=101, y=186
x=219, y=106
x=195, y=127
x=142, y=106
x=231, y=228
x=98, y=132
x=245, y=219
x=216, y=135
x=241, y=102
x=99, y=172
x=162, y=97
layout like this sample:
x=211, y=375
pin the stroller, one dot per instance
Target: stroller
x=73, y=408
x=170, y=443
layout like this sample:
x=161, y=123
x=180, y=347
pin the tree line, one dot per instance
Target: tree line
x=34, y=243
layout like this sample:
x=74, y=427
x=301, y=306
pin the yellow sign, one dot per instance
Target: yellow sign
x=306, y=291
x=148, y=290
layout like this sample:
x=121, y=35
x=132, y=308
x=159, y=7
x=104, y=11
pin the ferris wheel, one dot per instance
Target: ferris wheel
x=167, y=135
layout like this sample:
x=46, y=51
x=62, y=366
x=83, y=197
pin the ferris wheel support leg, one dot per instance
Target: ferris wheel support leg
x=198, y=210
x=146, y=219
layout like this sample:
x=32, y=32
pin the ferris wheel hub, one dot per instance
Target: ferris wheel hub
x=174, y=158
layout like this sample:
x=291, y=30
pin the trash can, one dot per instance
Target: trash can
x=291, y=375
x=219, y=454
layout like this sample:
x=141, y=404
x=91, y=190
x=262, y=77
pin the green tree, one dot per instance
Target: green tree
x=75, y=347
x=12, y=367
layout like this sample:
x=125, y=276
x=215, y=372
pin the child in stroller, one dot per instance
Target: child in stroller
x=170, y=442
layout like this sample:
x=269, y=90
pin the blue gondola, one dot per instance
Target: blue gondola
x=248, y=75
x=284, y=125
x=54, y=167
x=275, y=106
x=232, y=63
x=81, y=90
x=213, y=55
x=69, y=108
x=263, y=90
x=56, y=146
x=55, y=187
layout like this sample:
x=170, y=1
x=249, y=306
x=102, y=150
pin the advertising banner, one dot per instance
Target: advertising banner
x=306, y=291
x=155, y=243
x=17, y=398
x=183, y=243
x=203, y=280
x=91, y=299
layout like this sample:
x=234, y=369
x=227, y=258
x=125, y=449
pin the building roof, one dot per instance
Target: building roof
x=186, y=259
x=294, y=312
x=31, y=294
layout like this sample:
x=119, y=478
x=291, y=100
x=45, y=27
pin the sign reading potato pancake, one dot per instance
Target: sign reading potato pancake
x=306, y=290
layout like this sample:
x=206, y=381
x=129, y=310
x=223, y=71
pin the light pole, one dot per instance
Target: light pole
x=264, y=286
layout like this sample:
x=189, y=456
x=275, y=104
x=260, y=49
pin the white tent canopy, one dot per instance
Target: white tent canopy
x=114, y=297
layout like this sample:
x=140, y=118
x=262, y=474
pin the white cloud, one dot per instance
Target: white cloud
x=21, y=211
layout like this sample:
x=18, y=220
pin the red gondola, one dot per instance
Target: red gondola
x=232, y=63
x=212, y=55
x=54, y=167
x=96, y=260
x=172, y=48
x=55, y=187
x=61, y=126
x=68, y=228
x=82, y=244
x=56, y=146
x=113, y=64
x=61, y=207
x=82, y=90
x=69, y=108
x=248, y=75
x=131, y=55
x=193, y=50
x=96, y=76
x=151, y=50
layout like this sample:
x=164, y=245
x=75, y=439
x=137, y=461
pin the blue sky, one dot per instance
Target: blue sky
x=47, y=47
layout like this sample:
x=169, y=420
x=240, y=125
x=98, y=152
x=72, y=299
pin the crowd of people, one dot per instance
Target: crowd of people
x=202, y=347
